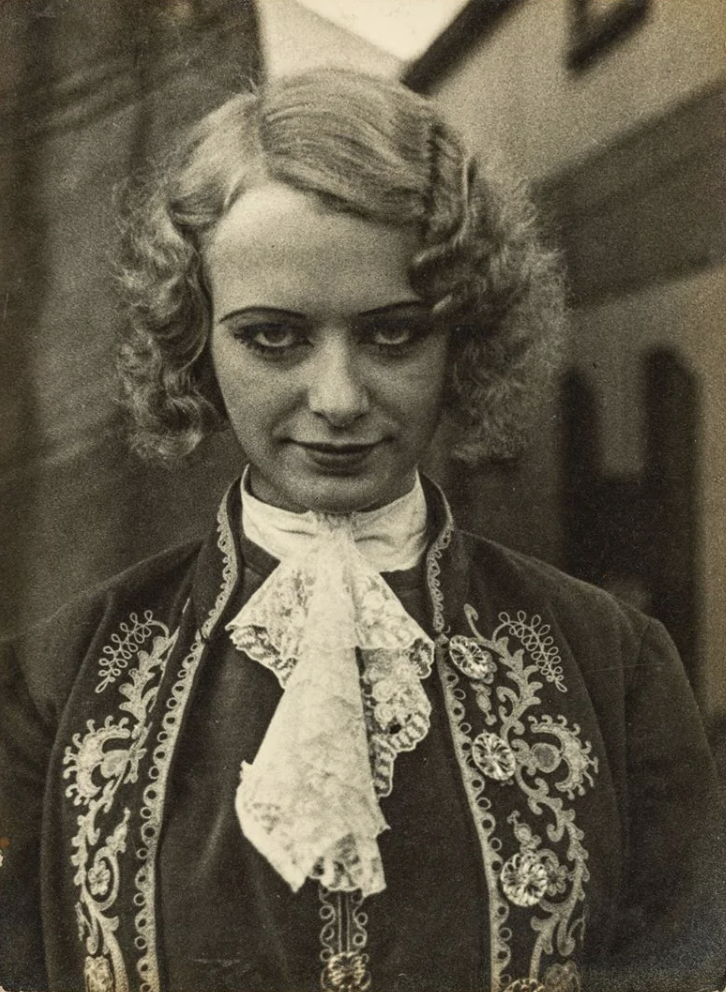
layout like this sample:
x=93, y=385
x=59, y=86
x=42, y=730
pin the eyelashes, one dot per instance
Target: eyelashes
x=277, y=340
x=268, y=338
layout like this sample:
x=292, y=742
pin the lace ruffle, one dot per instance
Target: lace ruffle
x=350, y=660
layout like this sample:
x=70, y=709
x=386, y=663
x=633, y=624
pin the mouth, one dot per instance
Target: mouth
x=338, y=449
x=341, y=456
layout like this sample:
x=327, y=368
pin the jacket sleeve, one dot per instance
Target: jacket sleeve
x=25, y=743
x=672, y=930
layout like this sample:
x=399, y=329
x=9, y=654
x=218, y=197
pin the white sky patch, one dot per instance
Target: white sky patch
x=405, y=28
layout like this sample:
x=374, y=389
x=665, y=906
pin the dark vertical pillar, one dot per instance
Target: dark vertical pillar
x=580, y=477
x=671, y=474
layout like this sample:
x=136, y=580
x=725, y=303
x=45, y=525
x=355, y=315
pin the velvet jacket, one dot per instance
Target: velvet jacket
x=563, y=831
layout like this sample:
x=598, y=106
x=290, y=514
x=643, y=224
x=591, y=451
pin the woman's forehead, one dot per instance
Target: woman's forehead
x=279, y=246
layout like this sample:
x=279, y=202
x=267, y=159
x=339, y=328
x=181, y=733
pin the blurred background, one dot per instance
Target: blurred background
x=615, y=110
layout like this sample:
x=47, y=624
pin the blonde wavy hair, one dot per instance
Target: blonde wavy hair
x=375, y=149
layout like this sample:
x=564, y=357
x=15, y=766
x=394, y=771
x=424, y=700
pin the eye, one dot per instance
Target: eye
x=394, y=334
x=270, y=338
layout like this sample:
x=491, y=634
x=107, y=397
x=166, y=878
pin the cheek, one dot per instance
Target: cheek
x=256, y=400
x=418, y=402
x=423, y=392
x=234, y=383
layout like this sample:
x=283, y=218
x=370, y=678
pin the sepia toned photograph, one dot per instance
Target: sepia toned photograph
x=362, y=496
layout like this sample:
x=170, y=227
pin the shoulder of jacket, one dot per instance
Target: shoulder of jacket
x=150, y=574
x=144, y=585
x=540, y=580
x=50, y=653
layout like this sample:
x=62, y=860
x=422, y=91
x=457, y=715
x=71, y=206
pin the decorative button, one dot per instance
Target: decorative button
x=346, y=971
x=563, y=978
x=526, y=985
x=99, y=977
x=471, y=659
x=524, y=879
x=494, y=757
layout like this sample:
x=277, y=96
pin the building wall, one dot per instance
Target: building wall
x=660, y=220
x=89, y=92
x=514, y=88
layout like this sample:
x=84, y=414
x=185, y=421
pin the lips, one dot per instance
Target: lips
x=326, y=448
x=340, y=457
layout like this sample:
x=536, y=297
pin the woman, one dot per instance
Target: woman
x=342, y=744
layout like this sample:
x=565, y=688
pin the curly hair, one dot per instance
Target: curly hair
x=375, y=149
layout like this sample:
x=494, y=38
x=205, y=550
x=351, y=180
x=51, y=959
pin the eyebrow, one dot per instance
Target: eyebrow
x=296, y=315
x=274, y=311
x=393, y=307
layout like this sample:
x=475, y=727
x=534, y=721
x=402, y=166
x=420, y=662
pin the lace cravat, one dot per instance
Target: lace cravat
x=350, y=660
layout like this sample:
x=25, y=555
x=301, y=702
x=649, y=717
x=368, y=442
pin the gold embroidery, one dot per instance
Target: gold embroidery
x=107, y=757
x=541, y=756
x=98, y=763
x=471, y=659
x=225, y=543
x=125, y=646
x=155, y=792
x=494, y=757
x=98, y=975
x=558, y=978
x=433, y=571
x=151, y=815
x=484, y=822
x=563, y=978
x=535, y=637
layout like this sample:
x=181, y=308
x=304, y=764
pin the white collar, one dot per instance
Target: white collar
x=390, y=538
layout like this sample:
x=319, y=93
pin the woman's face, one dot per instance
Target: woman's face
x=331, y=369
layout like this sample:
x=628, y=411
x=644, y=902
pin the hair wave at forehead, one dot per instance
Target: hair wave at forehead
x=361, y=144
x=372, y=148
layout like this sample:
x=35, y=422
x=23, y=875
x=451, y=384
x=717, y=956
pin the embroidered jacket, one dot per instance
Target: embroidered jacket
x=595, y=848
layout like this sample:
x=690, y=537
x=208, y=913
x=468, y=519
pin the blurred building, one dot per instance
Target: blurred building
x=89, y=91
x=616, y=112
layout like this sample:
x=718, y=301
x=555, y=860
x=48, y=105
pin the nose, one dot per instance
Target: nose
x=336, y=388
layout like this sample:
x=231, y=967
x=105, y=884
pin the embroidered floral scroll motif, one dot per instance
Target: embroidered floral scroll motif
x=544, y=759
x=535, y=637
x=125, y=646
x=98, y=763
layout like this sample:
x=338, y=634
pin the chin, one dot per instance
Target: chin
x=325, y=491
x=343, y=495
x=342, y=499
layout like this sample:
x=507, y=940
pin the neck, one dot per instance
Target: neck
x=391, y=537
